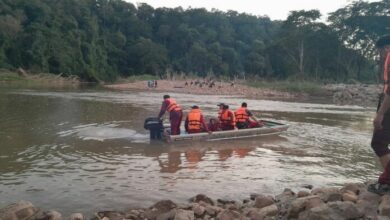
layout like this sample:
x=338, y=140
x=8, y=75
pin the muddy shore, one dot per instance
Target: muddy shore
x=340, y=94
x=351, y=201
x=219, y=88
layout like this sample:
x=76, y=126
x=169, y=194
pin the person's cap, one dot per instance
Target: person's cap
x=383, y=41
x=221, y=104
x=225, y=106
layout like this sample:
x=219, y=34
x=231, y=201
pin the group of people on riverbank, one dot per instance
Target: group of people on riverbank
x=152, y=84
x=210, y=83
x=195, y=122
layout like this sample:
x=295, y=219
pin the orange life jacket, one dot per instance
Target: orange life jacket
x=173, y=106
x=241, y=115
x=227, y=118
x=194, y=119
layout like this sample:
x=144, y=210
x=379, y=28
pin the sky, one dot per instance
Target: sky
x=275, y=9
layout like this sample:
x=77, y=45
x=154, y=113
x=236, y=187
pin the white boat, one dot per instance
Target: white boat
x=268, y=128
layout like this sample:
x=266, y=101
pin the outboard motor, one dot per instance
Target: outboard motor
x=155, y=126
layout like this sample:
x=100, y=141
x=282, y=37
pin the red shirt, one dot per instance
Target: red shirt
x=164, y=107
x=386, y=75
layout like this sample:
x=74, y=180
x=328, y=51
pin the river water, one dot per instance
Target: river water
x=84, y=150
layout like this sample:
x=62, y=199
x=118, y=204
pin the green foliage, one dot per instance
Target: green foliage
x=361, y=23
x=142, y=77
x=9, y=76
x=101, y=40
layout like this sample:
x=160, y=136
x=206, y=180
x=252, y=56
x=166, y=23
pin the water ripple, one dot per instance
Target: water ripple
x=103, y=132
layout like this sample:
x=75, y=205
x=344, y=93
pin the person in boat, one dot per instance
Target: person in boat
x=381, y=135
x=220, y=105
x=227, y=119
x=175, y=113
x=245, y=118
x=195, y=122
x=214, y=123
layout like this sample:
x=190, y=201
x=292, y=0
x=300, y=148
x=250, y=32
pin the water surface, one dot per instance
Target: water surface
x=86, y=150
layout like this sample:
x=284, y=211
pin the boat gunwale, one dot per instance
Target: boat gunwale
x=252, y=132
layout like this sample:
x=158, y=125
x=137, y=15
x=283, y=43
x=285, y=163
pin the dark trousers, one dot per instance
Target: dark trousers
x=381, y=138
x=242, y=125
x=380, y=144
x=193, y=131
x=175, y=117
x=226, y=127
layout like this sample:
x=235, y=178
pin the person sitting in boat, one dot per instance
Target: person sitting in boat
x=244, y=116
x=227, y=119
x=220, y=105
x=175, y=113
x=195, y=122
x=214, y=123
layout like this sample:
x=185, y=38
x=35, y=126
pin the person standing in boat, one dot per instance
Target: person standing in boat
x=243, y=116
x=227, y=119
x=381, y=135
x=175, y=113
x=195, y=122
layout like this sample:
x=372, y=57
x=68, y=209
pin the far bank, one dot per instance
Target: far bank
x=337, y=93
x=340, y=94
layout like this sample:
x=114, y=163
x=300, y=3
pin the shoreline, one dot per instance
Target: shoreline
x=220, y=88
x=22, y=76
x=365, y=95
x=351, y=201
x=340, y=94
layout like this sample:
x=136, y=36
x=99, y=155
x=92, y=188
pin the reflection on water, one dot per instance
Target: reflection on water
x=82, y=151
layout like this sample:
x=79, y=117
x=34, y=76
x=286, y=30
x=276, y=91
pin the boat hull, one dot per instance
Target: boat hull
x=269, y=128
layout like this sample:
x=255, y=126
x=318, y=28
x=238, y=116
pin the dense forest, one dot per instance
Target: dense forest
x=106, y=39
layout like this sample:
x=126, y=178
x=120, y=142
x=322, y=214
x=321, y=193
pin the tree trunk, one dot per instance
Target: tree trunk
x=301, y=55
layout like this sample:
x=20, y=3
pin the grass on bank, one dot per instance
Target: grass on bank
x=10, y=77
x=135, y=78
x=6, y=76
x=295, y=86
x=289, y=86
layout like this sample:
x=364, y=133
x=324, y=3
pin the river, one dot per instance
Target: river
x=84, y=150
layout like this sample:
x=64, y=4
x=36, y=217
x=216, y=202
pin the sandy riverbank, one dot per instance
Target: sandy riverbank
x=341, y=94
x=220, y=88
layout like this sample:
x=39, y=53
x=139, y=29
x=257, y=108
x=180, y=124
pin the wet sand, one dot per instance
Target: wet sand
x=340, y=94
x=220, y=88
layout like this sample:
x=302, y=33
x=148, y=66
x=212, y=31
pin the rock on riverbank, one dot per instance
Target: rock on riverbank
x=352, y=201
x=354, y=94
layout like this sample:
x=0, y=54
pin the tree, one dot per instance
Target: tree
x=361, y=23
x=99, y=40
x=148, y=57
